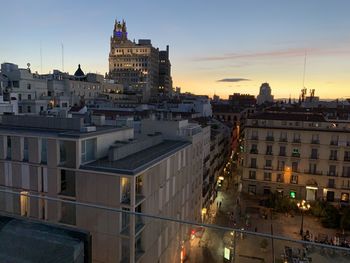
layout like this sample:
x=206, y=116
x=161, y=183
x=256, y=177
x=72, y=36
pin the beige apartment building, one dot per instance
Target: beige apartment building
x=301, y=155
x=158, y=173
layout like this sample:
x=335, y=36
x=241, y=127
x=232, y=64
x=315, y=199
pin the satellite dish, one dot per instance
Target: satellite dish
x=28, y=65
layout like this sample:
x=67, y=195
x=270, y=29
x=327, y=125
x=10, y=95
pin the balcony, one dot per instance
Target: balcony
x=346, y=174
x=333, y=158
x=270, y=138
x=346, y=158
x=254, y=166
x=269, y=153
x=334, y=143
x=314, y=156
x=313, y=172
x=296, y=155
x=332, y=173
x=282, y=154
x=315, y=141
x=254, y=151
x=283, y=140
x=268, y=167
x=296, y=140
x=331, y=185
x=254, y=138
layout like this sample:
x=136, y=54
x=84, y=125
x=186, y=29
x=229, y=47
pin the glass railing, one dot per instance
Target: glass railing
x=30, y=224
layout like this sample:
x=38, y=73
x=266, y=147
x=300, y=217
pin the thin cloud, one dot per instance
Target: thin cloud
x=291, y=52
x=233, y=80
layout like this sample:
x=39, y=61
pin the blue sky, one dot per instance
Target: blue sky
x=209, y=40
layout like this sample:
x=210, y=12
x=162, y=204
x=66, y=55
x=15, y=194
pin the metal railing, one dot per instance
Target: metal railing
x=139, y=235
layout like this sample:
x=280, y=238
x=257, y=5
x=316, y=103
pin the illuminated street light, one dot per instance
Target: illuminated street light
x=303, y=206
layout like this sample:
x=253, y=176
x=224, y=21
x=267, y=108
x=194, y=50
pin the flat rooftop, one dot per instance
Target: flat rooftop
x=289, y=116
x=139, y=161
x=26, y=241
x=42, y=132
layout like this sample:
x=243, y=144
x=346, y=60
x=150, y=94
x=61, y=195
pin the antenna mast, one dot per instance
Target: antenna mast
x=41, y=59
x=304, y=71
x=62, y=49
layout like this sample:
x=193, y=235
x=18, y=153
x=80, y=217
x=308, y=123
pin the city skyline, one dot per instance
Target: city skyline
x=222, y=49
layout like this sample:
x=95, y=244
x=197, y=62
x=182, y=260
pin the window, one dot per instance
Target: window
x=283, y=137
x=24, y=200
x=9, y=147
x=267, y=176
x=344, y=197
x=334, y=139
x=20, y=109
x=346, y=171
x=88, y=150
x=332, y=170
x=29, y=86
x=330, y=196
x=282, y=151
x=29, y=110
x=25, y=149
x=254, y=149
x=280, y=165
x=252, y=189
x=347, y=156
x=315, y=139
x=44, y=150
x=280, y=178
x=269, y=150
x=268, y=164
x=294, y=166
x=19, y=97
x=333, y=155
x=314, y=154
x=295, y=152
x=29, y=96
x=253, y=162
x=252, y=175
x=296, y=138
x=331, y=183
x=67, y=183
x=294, y=179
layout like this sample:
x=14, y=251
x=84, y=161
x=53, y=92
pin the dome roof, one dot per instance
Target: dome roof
x=79, y=72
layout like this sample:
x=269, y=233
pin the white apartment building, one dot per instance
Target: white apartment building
x=158, y=173
x=301, y=155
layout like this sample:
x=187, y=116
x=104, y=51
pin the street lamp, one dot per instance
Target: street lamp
x=303, y=206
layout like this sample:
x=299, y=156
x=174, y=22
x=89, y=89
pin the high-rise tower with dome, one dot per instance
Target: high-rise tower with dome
x=135, y=65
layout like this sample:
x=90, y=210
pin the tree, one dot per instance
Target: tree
x=331, y=218
x=345, y=219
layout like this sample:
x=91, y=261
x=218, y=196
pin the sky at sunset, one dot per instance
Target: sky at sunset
x=218, y=47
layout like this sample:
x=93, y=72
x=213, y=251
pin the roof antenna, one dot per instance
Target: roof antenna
x=304, y=70
x=41, y=59
x=62, y=53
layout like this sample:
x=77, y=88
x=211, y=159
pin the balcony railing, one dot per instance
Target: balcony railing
x=269, y=153
x=282, y=154
x=270, y=138
x=346, y=158
x=254, y=151
x=254, y=166
x=315, y=141
x=117, y=249
x=268, y=167
x=314, y=156
x=296, y=155
x=333, y=158
x=331, y=173
x=314, y=172
x=283, y=140
x=254, y=138
x=295, y=140
x=346, y=174
x=334, y=143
